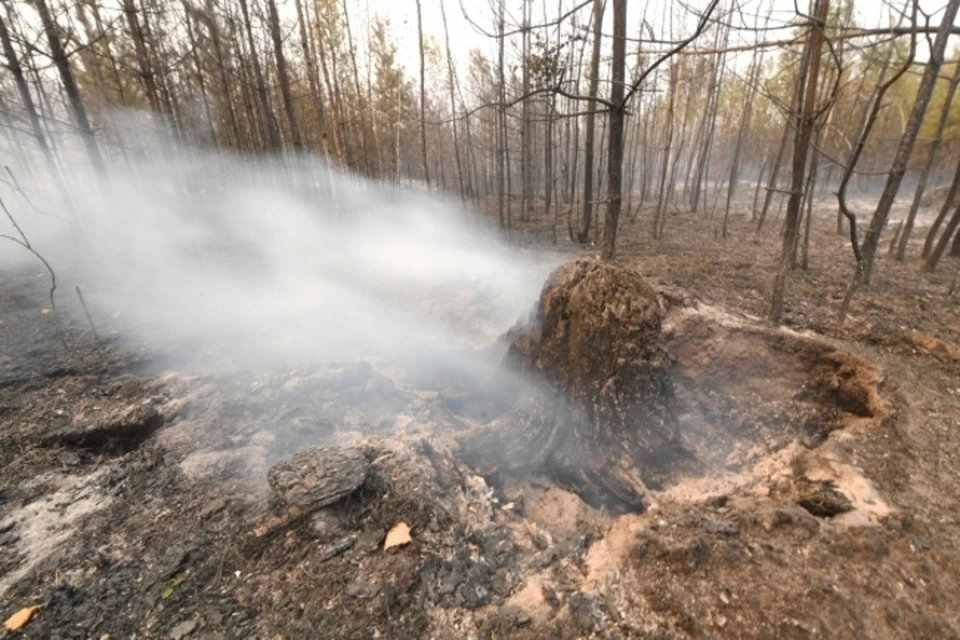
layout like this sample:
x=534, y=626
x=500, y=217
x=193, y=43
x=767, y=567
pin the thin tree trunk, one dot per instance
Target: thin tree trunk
x=901, y=250
x=583, y=235
x=271, y=135
x=13, y=63
x=451, y=78
x=663, y=196
x=526, y=135
x=871, y=238
x=283, y=77
x=952, y=194
x=501, y=122
x=615, y=144
x=934, y=258
x=143, y=59
x=805, y=125
x=423, y=97
x=62, y=63
x=741, y=133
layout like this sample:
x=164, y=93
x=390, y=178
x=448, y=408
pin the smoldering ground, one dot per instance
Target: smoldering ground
x=277, y=261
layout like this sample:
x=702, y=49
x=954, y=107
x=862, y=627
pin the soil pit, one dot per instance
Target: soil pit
x=629, y=394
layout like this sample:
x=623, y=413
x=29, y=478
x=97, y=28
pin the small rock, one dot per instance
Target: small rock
x=514, y=615
x=364, y=589
x=213, y=507
x=183, y=629
x=10, y=537
x=919, y=544
x=550, y=596
x=69, y=458
x=589, y=612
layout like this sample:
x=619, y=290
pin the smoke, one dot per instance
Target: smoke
x=269, y=262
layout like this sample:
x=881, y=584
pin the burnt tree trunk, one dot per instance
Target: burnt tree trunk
x=599, y=415
x=62, y=62
x=583, y=234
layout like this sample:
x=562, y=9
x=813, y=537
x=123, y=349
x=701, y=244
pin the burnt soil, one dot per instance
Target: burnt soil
x=134, y=501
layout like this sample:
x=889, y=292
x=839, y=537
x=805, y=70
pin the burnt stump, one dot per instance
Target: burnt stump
x=597, y=412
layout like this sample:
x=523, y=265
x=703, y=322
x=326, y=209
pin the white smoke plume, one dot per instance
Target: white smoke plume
x=281, y=261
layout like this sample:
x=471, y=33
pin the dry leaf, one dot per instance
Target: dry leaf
x=18, y=620
x=44, y=311
x=398, y=536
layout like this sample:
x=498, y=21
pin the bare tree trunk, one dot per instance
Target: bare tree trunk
x=13, y=63
x=871, y=238
x=805, y=125
x=745, y=116
x=284, y=77
x=615, y=144
x=365, y=138
x=423, y=97
x=143, y=59
x=934, y=258
x=526, y=137
x=213, y=29
x=952, y=194
x=271, y=135
x=211, y=136
x=62, y=63
x=663, y=196
x=583, y=235
x=451, y=78
x=502, y=121
x=901, y=250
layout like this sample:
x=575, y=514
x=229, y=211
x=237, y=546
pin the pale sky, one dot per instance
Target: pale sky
x=464, y=37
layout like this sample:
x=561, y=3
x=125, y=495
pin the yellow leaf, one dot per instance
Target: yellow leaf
x=398, y=536
x=18, y=620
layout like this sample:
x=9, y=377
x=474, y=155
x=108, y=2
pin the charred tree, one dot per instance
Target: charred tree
x=586, y=221
x=423, y=97
x=62, y=63
x=615, y=141
x=283, y=77
x=270, y=133
x=871, y=238
x=901, y=246
x=806, y=121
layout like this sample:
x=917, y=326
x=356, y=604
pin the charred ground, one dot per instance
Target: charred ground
x=134, y=502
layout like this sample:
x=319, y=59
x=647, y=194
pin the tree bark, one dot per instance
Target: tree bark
x=271, y=135
x=13, y=63
x=801, y=150
x=423, y=97
x=583, y=234
x=615, y=141
x=901, y=250
x=62, y=62
x=284, y=77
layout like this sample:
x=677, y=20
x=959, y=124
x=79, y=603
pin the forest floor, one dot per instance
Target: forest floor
x=134, y=501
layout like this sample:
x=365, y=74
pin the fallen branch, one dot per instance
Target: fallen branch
x=24, y=242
